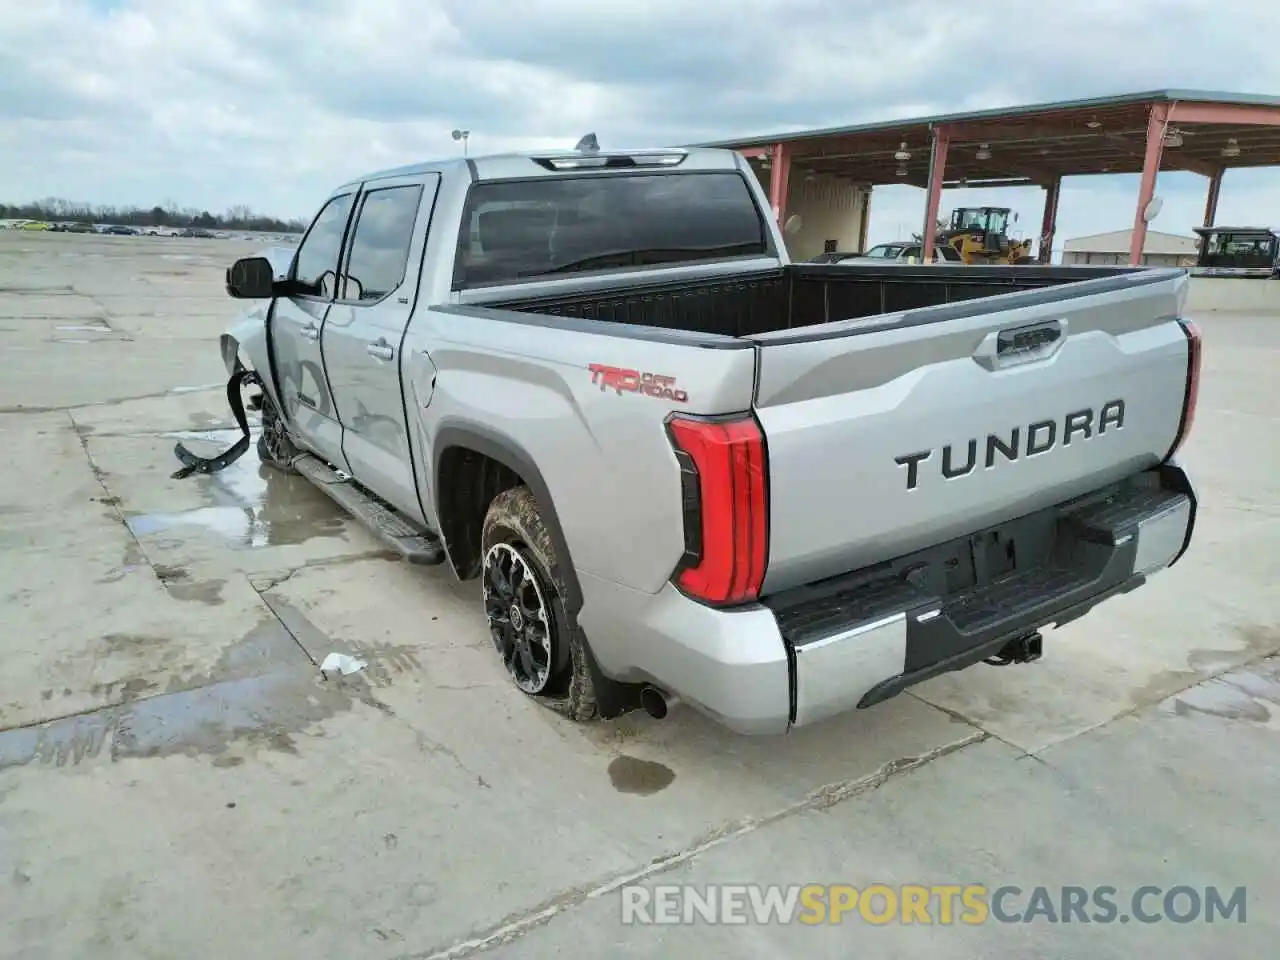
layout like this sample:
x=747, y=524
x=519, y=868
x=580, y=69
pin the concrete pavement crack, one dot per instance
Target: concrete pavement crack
x=67, y=408
x=110, y=500
x=266, y=580
x=1137, y=708
x=1130, y=711
x=517, y=925
x=959, y=717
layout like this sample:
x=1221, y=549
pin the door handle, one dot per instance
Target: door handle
x=310, y=332
x=380, y=350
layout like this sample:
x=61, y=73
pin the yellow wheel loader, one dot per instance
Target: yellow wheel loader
x=981, y=235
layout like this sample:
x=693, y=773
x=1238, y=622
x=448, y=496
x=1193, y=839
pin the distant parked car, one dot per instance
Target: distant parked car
x=120, y=231
x=902, y=252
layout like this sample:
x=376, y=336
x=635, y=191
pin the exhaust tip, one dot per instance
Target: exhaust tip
x=656, y=703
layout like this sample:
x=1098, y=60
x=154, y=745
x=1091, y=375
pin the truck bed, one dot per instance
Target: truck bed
x=803, y=295
x=907, y=405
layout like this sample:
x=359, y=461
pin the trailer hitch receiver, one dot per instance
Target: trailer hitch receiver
x=1024, y=649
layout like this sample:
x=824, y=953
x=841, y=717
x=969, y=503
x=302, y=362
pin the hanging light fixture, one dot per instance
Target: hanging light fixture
x=984, y=151
x=1173, y=138
x=1093, y=124
x=902, y=154
x=1232, y=149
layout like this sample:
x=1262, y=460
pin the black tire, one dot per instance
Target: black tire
x=513, y=526
x=275, y=449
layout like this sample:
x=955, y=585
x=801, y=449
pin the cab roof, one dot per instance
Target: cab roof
x=542, y=163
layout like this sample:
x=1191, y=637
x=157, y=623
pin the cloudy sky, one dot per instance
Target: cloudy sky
x=270, y=103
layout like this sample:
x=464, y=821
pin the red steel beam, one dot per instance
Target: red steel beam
x=1211, y=200
x=780, y=180
x=1150, y=170
x=864, y=220
x=1225, y=113
x=1049, y=224
x=937, y=167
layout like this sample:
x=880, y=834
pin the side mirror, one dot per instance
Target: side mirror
x=792, y=225
x=251, y=278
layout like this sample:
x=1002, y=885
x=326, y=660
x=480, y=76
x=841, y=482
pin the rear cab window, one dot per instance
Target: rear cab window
x=516, y=230
x=380, y=245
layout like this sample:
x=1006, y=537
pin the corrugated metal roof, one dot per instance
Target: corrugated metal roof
x=1000, y=113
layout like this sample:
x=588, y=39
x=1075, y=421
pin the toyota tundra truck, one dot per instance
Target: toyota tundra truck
x=683, y=467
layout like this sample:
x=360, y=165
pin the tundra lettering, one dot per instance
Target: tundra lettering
x=1041, y=437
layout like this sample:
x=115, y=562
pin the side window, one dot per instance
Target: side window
x=380, y=244
x=316, y=266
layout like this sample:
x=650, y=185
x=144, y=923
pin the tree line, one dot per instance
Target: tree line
x=167, y=215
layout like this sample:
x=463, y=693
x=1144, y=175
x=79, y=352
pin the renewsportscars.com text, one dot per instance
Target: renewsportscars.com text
x=970, y=904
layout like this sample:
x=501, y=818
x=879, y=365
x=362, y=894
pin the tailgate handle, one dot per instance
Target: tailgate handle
x=1035, y=341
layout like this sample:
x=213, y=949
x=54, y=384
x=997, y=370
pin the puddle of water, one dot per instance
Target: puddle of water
x=216, y=437
x=249, y=504
x=265, y=711
x=200, y=591
x=1251, y=694
x=84, y=327
x=271, y=693
x=641, y=777
x=1262, y=682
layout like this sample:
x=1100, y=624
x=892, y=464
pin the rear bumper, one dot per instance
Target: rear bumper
x=828, y=648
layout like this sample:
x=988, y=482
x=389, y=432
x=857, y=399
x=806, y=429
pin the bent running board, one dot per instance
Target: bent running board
x=402, y=535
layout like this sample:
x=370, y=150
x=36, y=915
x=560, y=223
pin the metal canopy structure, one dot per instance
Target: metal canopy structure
x=1204, y=132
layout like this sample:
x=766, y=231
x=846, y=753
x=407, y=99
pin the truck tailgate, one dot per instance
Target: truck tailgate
x=889, y=434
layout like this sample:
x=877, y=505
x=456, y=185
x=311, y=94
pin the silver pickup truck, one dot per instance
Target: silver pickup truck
x=683, y=467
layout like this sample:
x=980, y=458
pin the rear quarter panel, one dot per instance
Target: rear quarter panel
x=603, y=454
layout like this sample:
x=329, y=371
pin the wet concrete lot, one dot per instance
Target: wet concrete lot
x=177, y=779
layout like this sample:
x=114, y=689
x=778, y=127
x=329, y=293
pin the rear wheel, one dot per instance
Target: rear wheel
x=539, y=642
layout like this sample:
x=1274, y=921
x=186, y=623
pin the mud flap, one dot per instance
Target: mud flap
x=193, y=464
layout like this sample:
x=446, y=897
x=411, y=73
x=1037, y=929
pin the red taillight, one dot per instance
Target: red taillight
x=1193, y=385
x=726, y=507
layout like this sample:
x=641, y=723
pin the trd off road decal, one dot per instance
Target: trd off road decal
x=624, y=380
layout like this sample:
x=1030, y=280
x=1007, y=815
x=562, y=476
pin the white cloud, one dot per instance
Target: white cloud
x=220, y=102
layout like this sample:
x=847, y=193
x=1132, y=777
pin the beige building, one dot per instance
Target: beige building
x=833, y=212
x=1160, y=250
